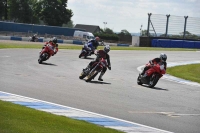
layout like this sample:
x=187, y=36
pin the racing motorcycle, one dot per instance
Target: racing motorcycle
x=152, y=80
x=46, y=53
x=84, y=53
x=96, y=68
x=32, y=39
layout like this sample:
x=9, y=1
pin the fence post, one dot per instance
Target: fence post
x=185, y=26
x=166, y=32
x=149, y=15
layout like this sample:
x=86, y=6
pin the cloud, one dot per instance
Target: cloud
x=129, y=14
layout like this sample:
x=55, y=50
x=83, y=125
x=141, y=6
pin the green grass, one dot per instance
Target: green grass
x=188, y=72
x=20, y=44
x=19, y=119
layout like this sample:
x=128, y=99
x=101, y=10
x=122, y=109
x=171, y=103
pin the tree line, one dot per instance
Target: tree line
x=48, y=12
x=51, y=13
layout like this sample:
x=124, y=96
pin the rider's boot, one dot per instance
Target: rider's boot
x=87, y=68
x=89, y=53
x=100, y=76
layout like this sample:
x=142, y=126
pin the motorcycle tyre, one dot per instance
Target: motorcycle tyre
x=139, y=81
x=82, y=76
x=41, y=58
x=155, y=80
x=83, y=53
x=92, y=77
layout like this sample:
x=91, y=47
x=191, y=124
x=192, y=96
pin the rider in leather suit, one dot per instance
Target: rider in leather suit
x=161, y=60
x=101, y=54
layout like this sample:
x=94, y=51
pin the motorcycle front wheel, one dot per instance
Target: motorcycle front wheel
x=139, y=80
x=91, y=76
x=153, y=80
x=42, y=58
x=82, y=75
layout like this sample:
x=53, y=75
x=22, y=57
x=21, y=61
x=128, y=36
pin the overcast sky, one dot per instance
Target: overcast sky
x=128, y=14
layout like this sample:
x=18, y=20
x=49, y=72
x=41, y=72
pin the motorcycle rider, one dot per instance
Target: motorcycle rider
x=161, y=60
x=34, y=37
x=95, y=42
x=101, y=54
x=53, y=44
x=91, y=45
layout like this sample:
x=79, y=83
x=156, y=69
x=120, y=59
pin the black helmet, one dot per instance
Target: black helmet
x=107, y=48
x=54, y=40
x=163, y=57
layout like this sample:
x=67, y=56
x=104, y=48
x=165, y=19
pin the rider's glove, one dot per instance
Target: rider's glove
x=151, y=62
x=109, y=68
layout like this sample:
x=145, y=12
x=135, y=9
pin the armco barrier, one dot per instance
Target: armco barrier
x=15, y=38
x=167, y=43
x=126, y=45
x=77, y=42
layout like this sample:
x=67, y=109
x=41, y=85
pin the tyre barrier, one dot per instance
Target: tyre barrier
x=167, y=43
x=77, y=42
x=14, y=38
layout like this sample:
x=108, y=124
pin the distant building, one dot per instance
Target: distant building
x=88, y=28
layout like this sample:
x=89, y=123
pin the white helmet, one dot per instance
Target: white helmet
x=163, y=57
x=107, y=48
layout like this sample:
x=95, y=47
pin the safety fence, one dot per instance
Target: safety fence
x=170, y=26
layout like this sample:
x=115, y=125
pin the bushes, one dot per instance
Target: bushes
x=104, y=36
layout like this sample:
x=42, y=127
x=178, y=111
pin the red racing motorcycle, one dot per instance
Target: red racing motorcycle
x=151, y=81
x=46, y=53
x=96, y=68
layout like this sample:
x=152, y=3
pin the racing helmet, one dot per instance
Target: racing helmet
x=163, y=57
x=97, y=38
x=54, y=40
x=107, y=48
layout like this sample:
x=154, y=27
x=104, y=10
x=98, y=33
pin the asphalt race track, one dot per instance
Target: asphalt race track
x=168, y=106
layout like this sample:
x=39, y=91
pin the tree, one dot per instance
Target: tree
x=3, y=9
x=108, y=31
x=53, y=13
x=21, y=11
x=69, y=24
x=125, y=32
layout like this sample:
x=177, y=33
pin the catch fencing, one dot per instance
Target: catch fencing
x=170, y=26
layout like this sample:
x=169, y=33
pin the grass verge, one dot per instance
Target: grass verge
x=189, y=72
x=19, y=119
